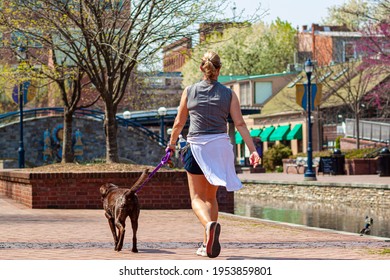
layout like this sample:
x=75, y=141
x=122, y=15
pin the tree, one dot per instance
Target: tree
x=348, y=85
x=371, y=18
x=248, y=50
x=71, y=86
x=375, y=44
x=349, y=14
x=108, y=39
x=45, y=64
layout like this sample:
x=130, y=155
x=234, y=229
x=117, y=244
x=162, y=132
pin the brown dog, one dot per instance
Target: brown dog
x=120, y=203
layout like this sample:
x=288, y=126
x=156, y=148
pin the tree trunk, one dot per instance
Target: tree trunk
x=357, y=121
x=110, y=128
x=67, y=153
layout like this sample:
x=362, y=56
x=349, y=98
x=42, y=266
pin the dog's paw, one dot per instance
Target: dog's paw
x=134, y=250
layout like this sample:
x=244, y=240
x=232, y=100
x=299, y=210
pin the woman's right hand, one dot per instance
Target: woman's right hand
x=171, y=149
x=254, y=159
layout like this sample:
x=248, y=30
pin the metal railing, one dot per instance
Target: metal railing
x=368, y=130
x=10, y=117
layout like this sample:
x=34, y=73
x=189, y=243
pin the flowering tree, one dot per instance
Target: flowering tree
x=365, y=83
x=375, y=44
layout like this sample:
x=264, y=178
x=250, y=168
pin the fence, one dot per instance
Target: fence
x=369, y=130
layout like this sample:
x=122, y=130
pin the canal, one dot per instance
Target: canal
x=315, y=214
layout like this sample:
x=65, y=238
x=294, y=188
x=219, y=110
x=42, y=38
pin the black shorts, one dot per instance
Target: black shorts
x=190, y=163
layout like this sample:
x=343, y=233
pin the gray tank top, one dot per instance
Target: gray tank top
x=209, y=106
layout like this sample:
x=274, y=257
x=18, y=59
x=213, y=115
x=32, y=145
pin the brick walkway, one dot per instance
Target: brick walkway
x=48, y=234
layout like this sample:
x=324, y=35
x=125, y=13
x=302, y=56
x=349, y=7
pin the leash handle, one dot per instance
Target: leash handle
x=164, y=161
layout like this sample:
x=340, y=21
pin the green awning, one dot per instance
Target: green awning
x=280, y=133
x=238, y=138
x=266, y=133
x=255, y=132
x=295, y=133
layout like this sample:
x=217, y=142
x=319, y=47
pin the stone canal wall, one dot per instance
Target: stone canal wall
x=349, y=194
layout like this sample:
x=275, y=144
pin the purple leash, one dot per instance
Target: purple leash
x=164, y=161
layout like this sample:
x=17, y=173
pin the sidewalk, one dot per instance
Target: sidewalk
x=47, y=234
x=333, y=179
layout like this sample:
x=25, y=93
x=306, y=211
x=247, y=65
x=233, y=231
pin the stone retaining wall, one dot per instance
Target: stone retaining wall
x=166, y=190
x=360, y=195
x=132, y=145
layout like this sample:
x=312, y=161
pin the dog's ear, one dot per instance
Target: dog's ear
x=106, y=188
x=103, y=190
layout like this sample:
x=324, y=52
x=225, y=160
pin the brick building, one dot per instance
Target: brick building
x=327, y=44
x=176, y=54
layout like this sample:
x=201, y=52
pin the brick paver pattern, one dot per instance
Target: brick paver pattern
x=57, y=234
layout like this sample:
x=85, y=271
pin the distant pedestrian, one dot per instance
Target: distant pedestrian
x=209, y=158
x=367, y=226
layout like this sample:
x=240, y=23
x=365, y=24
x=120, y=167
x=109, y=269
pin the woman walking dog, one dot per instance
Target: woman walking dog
x=209, y=158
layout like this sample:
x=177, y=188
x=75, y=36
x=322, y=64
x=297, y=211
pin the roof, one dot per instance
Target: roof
x=356, y=88
x=339, y=34
x=285, y=100
x=230, y=78
x=238, y=78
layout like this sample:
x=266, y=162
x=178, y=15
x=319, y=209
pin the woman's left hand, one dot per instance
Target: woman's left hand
x=254, y=159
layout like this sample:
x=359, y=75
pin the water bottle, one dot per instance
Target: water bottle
x=182, y=141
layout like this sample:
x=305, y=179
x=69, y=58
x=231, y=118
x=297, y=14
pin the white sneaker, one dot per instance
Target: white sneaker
x=202, y=250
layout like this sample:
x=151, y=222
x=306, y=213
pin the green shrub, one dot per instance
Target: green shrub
x=349, y=154
x=361, y=153
x=273, y=157
x=337, y=142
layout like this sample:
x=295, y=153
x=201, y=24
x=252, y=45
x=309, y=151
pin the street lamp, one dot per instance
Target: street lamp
x=162, y=111
x=310, y=175
x=22, y=56
x=127, y=117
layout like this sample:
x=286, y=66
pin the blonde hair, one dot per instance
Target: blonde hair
x=211, y=62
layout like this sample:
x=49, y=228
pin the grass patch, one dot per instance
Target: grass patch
x=384, y=252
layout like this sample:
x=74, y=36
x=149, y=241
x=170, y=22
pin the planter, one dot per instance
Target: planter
x=361, y=166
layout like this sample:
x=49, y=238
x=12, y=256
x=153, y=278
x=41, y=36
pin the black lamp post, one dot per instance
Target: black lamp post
x=309, y=175
x=162, y=111
x=22, y=56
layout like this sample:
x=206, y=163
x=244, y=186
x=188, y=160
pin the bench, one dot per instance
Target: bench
x=301, y=163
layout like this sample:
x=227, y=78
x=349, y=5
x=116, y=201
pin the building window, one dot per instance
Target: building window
x=20, y=39
x=245, y=94
x=349, y=51
x=263, y=91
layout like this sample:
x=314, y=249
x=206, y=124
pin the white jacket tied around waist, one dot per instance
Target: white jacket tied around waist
x=215, y=157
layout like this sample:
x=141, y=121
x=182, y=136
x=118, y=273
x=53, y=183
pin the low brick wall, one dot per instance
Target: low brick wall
x=361, y=166
x=352, y=167
x=166, y=190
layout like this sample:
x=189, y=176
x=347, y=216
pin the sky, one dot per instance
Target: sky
x=297, y=12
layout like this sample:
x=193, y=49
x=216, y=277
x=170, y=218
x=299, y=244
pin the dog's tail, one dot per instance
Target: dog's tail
x=140, y=180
